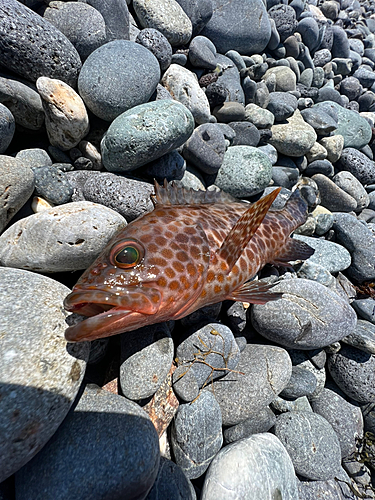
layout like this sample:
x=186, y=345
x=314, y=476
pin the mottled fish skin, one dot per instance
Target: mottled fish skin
x=196, y=248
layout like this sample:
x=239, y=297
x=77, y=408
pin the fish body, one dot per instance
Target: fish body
x=194, y=249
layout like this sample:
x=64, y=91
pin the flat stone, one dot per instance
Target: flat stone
x=351, y=185
x=145, y=133
x=363, y=337
x=116, y=17
x=246, y=134
x=365, y=308
x=301, y=383
x=41, y=373
x=230, y=80
x=282, y=105
x=34, y=157
x=312, y=316
x=32, y=47
x=198, y=11
x=229, y=112
x=358, y=164
x=202, y=53
x=260, y=421
x=332, y=196
x=314, y=362
x=103, y=428
x=7, y=128
x=263, y=463
x=63, y=238
x=132, y=74
x=170, y=166
x=205, y=148
x=329, y=255
x=322, y=122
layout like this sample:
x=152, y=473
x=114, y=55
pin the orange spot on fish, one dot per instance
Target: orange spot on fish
x=161, y=241
x=170, y=273
x=162, y=281
x=182, y=256
x=178, y=266
x=203, y=294
x=174, y=285
x=220, y=278
x=167, y=253
x=191, y=269
x=210, y=276
x=217, y=288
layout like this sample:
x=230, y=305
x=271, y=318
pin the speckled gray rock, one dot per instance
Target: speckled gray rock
x=16, y=186
x=116, y=17
x=354, y=128
x=128, y=197
x=322, y=122
x=23, y=102
x=358, y=164
x=230, y=80
x=32, y=47
x=156, y=42
x=34, y=157
x=346, y=419
x=41, y=373
x=354, y=372
x=294, y=138
x=313, y=363
x=260, y=421
x=351, y=185
x=245, y=171
x=365, y=309
x=7, y=128
x=146, y=358
x=103, y=429
x=63, y=238
x=198, y=11
x=205, y=148
x=246, y=134
x=332, y=196
x=308, y=316
x=285, y=78
x=171, y=483
x=301, y=383
x=282, y=105
x=83, y=25
x=329, y=255
x=202, y=53
x=316, y=272
x=228, y=27
x=196, y=434
x=264, y=464
x=363, y=337
x=52, y=184
x=145, y=133
x=167, y=16
x=132, y=74
x=261, y=118
x=329, y=490
x=261, y=374
x=360, y=241
x=311, y=443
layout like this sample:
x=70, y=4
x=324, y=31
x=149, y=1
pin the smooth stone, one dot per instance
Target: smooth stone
x=264, y=464
x=354, y=372
x=23, y=102
x=170, y=166
x=34, y=157
x=281, y=405
x=229, y=112
x=171, y=483
x=270, y=151
x=365, y=77
x=285, y=20
x=324, y=167
x=311, y=443
x=312, y=316
x=285, y=78
x=358, y=164
x=205, y=148
x=301, y=383
x=116, y=17
x=245, y=171
x=351, y=185
x=202, y=53
x=246, y=134
x=360, y=241
x=198, y=11
x=167, y=16
x=146, y=358
x=363, y=338
x=153, y=40
x=7, y=128
x=332, y=196
x=340, y=46
x=230, y=80
x=365, y=308
x=329, y=490
x=129, y=197
x=145, y=133
x=132, y=74
x=322, y=122
x=41, y=373
x=306, y=77
x=261, y=118
x=196, y=434
x=334, y=146
x=261, y=374
x=228, y=27
x=324, y=223
x=103, y=429
x=82, y=24
x=316, y=153
x=66, y=117
x=30, y=46
x=351, y=88
x=16, y=186
x=261, y=421
x=345, y=418
x=282, y=105
x=63, y=238
x=52, y=184
x=285, y=176
x=275, y=37
x=237, y=59
x=353, y=127
x=314, y=362
x=291, y=46
x=295, y=138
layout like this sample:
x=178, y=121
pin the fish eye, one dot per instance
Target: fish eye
x=127, y=254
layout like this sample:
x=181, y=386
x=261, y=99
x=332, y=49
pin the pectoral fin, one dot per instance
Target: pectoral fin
x=293, y=250
x=255, y=292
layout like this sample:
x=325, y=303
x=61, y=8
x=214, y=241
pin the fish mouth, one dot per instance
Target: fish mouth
x=108, y=312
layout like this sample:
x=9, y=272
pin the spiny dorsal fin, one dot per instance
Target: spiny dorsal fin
x=255, y=292
x=293, y=250
x=244, y=229
x=171, y=194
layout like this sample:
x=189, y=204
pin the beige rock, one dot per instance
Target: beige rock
x=317, y=152
x=285, y=78
x=90, y=151
x=39, y=204
x=294, y=138
x=67, y=122
x=320, y=210
x=261, y=118
x=334, y=146
x=369, y=116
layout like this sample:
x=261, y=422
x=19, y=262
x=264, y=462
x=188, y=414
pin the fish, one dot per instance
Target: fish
x=194, y=249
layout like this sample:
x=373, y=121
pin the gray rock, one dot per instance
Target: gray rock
x=306, y=77
x=245, y=171
x=261, y=421
x=301, y=383
x=145, y=133
x=261, y=118
x=230, y=80
x=285, y=78
x=246, y=134
x=16, y=186
x=146, y=358
x=262, y=462
x=360, y=241
x=261, y=374
x=171, y=483
x=41, y=372
x=346, y=419
x=309, y=316
x=83, y=25
x=116, y=17
x=202, y=53
x=332, y=196
x=103, y=429
x=365, y=308
x=354, y=372
x=7, y=128
x=365, y=77
x=351, y=88
x=329, y=490
x=329, y=255
x=196, y=434
x=34, y=157
x=170, y=166
x=228, y=27
x=198, y=11
x=358, y=164
x=281, y=405
x=285, y=176
x=294, y=138
x=63, y=238
x=324, y=222
x=351, y=185
x=156, y=42
x=229, y=112
x=314, y=363
x=32, y=47
x=311, y=443
x=132, y=74
x=282, y=105
x=324, y=167
x=205, y=148
x=322, y=122
x=52, y=184
x=316, y=272
x=285, y=20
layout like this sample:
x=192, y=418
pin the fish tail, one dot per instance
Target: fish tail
x=296, y=207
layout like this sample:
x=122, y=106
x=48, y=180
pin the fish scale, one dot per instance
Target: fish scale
x=194, y=249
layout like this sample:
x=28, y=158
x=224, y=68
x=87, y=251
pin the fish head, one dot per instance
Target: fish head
x=150, y=271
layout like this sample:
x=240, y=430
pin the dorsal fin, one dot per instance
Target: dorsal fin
x=244, y=229
x=171, y=194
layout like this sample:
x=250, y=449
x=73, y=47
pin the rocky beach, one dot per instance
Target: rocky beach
x=99, y=98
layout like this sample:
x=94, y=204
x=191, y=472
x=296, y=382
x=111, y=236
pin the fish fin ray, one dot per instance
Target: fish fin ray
x=293, y=250
x=172, y=194
x=255, y=292
x=244, y=229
